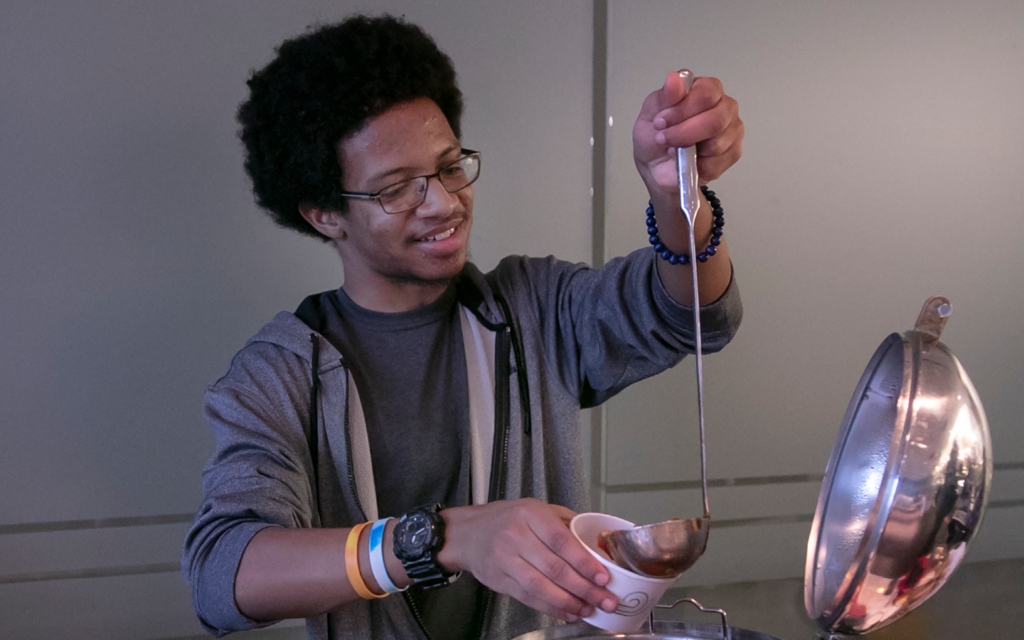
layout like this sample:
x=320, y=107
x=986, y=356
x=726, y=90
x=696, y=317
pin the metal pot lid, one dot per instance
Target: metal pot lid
x=905, y=487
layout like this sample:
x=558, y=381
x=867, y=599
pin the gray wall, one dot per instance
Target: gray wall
x=882, y=165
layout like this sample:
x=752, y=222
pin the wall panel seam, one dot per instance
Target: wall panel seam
x=100, y=523
x=638, y=487
x=98, y=572
x=598, y=154
x=752, y=481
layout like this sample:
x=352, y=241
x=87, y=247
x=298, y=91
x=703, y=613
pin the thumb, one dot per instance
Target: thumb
x=672, y=92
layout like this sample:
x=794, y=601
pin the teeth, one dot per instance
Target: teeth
x=440, y=236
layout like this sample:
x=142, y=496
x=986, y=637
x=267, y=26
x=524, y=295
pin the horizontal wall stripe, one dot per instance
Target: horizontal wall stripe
x=639, y=487
x=100, y=572
x=809, y=517
x=101, y=523
x=756, y=522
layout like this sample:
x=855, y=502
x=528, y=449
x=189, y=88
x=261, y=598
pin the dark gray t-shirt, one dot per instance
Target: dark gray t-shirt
x=410, y=371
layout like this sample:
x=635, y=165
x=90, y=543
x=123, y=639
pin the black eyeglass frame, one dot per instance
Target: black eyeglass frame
x=466, y=153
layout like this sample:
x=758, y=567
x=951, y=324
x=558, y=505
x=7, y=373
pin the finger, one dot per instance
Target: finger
x=722, y=143
x=560, y=541
x=565, y=514
x=712, y=168
x=564, y=575
x=564, y=560
x=511, y=574
x=703, y=95
x=531, y=587
x=700, y=127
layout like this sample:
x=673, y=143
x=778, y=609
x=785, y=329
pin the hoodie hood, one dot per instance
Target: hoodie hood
x=287, y=330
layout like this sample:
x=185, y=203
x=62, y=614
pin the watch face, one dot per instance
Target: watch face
x=415, y=534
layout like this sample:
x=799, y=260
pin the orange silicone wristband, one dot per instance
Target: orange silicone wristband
x=352, y=564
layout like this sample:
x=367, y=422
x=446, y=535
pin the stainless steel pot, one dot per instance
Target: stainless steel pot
x=663, y=630
x=905, y=487
x=660, y=629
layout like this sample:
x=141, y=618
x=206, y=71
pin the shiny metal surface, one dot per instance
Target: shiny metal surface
x=905, y=487
x=689, y=202
x=663, y=630
x=666, y=549
x=720, y=612
x=660, y=550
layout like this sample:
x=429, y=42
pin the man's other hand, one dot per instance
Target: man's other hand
x=524, y=548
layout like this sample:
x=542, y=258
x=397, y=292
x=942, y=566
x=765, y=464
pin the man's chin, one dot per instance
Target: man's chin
x=437, y=278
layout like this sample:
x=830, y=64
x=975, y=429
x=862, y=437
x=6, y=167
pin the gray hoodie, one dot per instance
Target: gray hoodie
x=543, y=338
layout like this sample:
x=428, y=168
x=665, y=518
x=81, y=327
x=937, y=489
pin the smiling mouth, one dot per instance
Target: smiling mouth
x=438, y=237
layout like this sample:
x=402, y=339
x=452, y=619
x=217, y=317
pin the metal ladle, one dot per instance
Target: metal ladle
x=667, y=549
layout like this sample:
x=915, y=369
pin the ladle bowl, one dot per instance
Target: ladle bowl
x=659, y=550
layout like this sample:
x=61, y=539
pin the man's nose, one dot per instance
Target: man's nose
x=438, y=202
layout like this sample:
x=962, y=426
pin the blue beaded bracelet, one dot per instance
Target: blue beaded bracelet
x=681, y=258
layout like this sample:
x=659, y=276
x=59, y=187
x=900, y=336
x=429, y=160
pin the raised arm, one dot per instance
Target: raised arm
x=672, y=118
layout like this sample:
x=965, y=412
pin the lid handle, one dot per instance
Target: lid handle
x=932, y=320
x=726, y=631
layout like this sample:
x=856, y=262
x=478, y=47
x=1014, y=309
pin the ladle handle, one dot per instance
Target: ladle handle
x=686, y=165
x=689, y=202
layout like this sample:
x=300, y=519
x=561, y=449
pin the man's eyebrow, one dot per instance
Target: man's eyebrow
x=376, y=179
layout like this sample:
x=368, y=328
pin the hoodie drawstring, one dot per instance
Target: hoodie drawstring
x=314, y=419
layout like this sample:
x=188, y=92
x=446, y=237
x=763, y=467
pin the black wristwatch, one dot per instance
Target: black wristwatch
x=419, y=537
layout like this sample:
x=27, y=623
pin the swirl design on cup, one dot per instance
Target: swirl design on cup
x=632, y=604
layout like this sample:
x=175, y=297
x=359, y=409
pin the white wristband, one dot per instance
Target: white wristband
x=380, y=572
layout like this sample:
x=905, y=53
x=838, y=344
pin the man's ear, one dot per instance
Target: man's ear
x=329, y=223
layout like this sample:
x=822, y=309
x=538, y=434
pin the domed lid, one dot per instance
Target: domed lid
x=905, y=486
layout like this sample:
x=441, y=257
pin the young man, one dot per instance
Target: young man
x=422, y=381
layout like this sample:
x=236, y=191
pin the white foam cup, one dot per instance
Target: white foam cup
x=637, y=594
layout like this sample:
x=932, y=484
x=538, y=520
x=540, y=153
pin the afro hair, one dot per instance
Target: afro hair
x=322, y=87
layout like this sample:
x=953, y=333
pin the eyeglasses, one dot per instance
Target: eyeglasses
x=409, y=194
